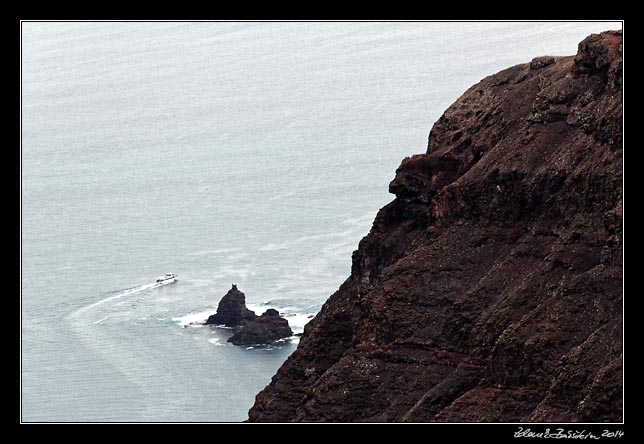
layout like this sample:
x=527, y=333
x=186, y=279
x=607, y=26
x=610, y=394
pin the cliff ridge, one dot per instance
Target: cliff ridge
x=490, y=288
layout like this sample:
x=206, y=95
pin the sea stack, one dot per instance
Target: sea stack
x=265, y=329
x=490, y=288
x=232, y=311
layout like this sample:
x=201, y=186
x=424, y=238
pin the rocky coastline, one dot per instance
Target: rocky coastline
x=490, y=288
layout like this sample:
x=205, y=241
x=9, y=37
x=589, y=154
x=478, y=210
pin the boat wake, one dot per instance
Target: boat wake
x=119, y=294
x=112, y=332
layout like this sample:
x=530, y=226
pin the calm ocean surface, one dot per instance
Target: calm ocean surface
x=248, y=153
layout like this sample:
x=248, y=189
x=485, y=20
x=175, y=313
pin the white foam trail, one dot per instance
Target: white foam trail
x=116, y=297
x=125, y=357
x=298, y=321
x=281, y=196
x=273, y=247
x=194, y=318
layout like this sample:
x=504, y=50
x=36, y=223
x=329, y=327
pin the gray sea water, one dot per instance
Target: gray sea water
x=248, y=153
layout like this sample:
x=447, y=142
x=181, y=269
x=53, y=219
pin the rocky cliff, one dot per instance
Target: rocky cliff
x=490, y=288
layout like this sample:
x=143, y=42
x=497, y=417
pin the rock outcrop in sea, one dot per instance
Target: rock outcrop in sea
x=267, y=328
x=255, y=330
x=232, y=310
x=490, y=288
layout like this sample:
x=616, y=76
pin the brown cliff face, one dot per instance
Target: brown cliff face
x=490, y=289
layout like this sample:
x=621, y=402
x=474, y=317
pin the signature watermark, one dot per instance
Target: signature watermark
x=561, y=433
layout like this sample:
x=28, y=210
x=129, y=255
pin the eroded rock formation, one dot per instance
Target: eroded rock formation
x=232, y=310
x=490, y=288
x=267, y=328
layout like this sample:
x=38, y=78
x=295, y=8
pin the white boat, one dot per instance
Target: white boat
x=167, y=278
